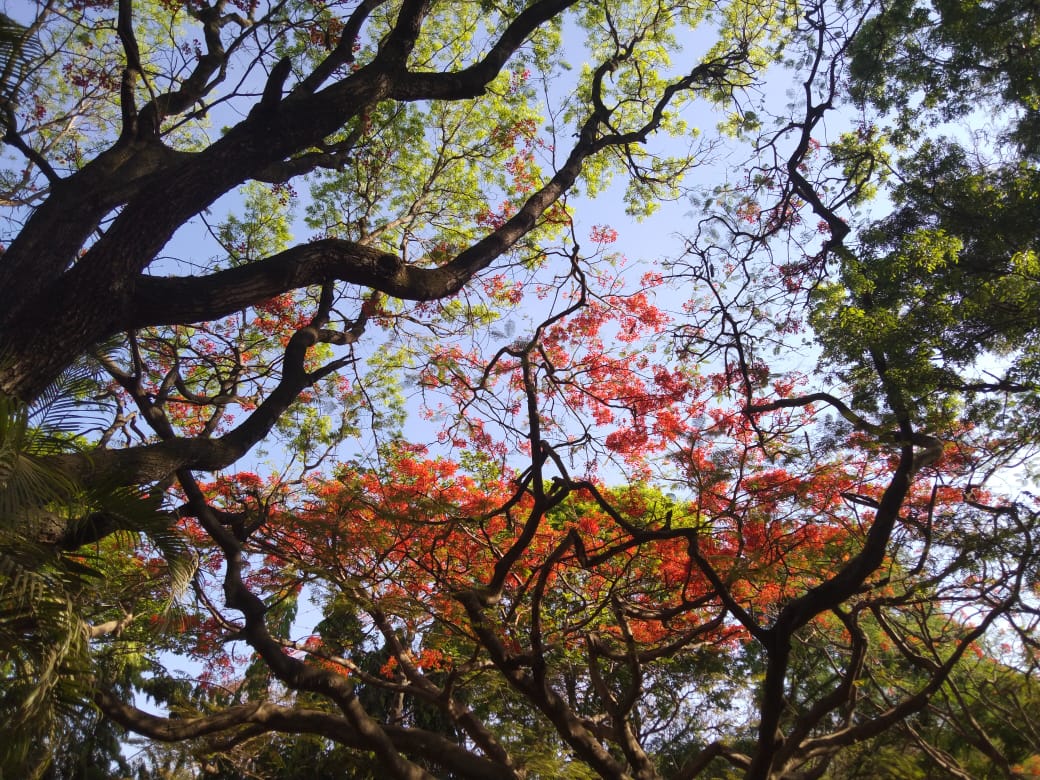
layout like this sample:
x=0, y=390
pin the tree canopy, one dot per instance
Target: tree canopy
x=343, y=432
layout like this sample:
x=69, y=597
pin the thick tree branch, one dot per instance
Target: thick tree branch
x=291, y=671
x=265, y=716
x=862, y=730
x=343, y=53
x=115, y=263
x=201, y=79
x=155, y=462
x=471, y=82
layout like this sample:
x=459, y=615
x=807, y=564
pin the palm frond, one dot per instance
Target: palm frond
x=18, y=50
x=44, y=662
x=135, y=511
x=66, y=406
x=46, y=669
x=26, y=483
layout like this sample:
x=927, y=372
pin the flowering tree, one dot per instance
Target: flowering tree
x=449, y=487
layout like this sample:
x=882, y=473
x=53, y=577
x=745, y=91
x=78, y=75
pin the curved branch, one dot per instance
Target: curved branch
x=863, y=730
x=154, y=462
x=471, y=82
x=343, y=54
x=198, y=83
x=263, y=717
x=168, y=301
x=700, y=762
x=858, y=422
x=296, y=674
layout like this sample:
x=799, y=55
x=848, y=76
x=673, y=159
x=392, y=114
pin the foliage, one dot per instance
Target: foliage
x=17, y=52
x=64, y=581
x=336, y=424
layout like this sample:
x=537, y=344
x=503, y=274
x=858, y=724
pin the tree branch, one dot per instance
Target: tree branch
x=470, y=82
x=265, y=716
x=154, y=462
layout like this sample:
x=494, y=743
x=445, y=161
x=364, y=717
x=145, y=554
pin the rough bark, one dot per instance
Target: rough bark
x=55, y=304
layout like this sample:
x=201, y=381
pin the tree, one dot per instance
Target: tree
x=468, y=498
